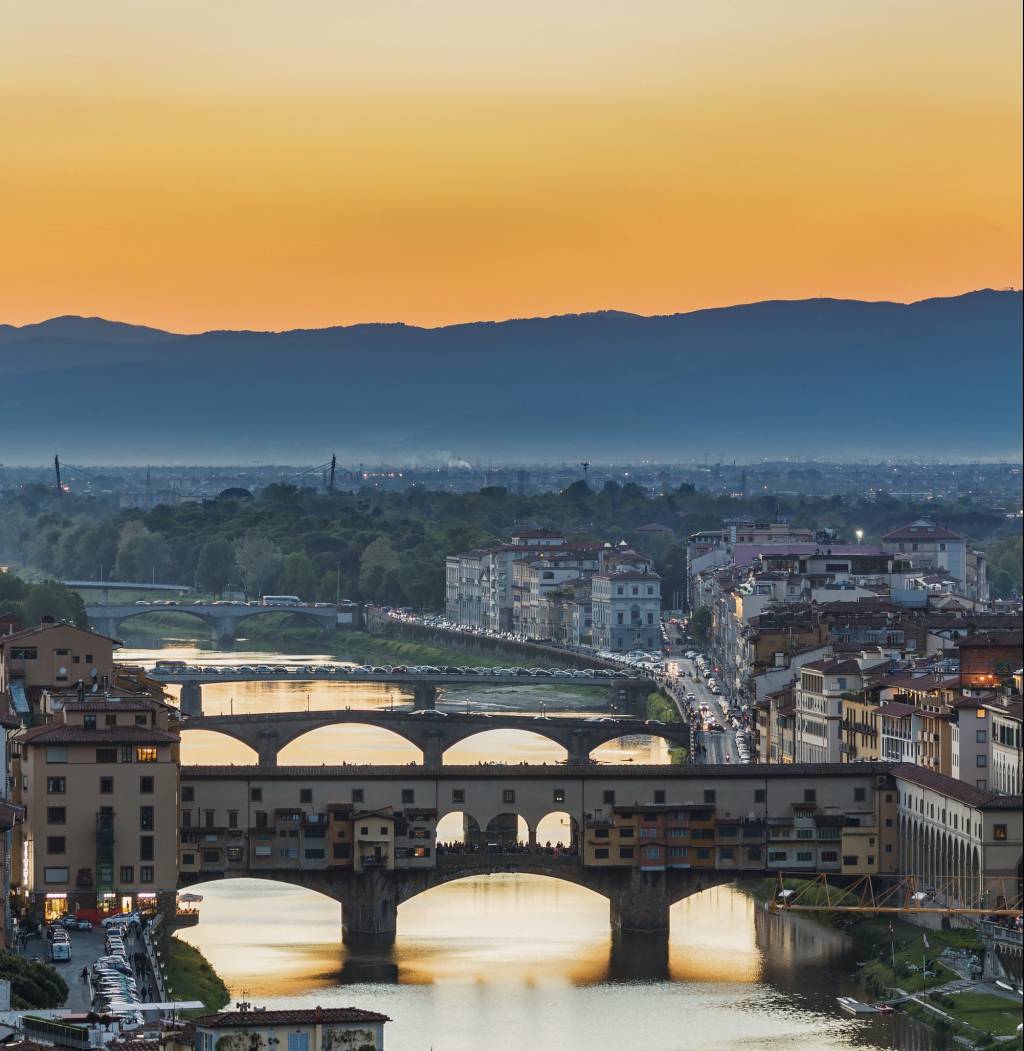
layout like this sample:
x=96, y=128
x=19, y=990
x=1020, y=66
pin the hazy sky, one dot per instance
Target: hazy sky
x=218, y=163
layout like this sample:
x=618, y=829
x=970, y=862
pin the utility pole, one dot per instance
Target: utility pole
x=56, y=467
x=334, y=466
x=585, y=464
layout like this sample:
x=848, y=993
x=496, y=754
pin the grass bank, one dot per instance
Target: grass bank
x=190, y=976
x=895, y=956
x=664, y=709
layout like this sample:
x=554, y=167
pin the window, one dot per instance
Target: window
x=364, y=830
x=999, y=831
x=777, y=855
x=458, y=795
x=146, y=873
x=860, y=795
x=146, y=819
x=140, y=720
x=232, y=819
x=305, y=795
x=849, y=859
x=829, y=855
x=24, y=653
x=982, y=760
x=810, y=795
x=55, y=786
x=659, y=795
x=758, y=795
x=188, y=859
x=979, y=713
x=57, y=754
x=703, y=853
x=753, y=853
x=106, y=755
x=804, y=855
x=341, y=850
x=726, y=853
x=55, y=875
x=146, y=754
x=89, y=721
x=186, y=819
x=55, y=845
x=805, y=833
x=383, y=830
x=602, y=833
x=145, y=786
x=314, y=853
x=601, y=852
x=408, y=795
x=980, y=736
x=188, y=794
x=255, y=795
x=608, y=797
x=127, y=873
x=146, y=848
x=627, y=833
x=110, y=720
x=558, y=795
x=56, y=815
x=625, y=852
x=508, y=795
x=648, y=833
x=709, y=795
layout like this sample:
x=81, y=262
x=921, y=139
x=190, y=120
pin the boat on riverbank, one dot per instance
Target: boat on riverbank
x=855, y=1007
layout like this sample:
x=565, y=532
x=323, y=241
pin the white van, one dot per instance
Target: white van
x=60, y=950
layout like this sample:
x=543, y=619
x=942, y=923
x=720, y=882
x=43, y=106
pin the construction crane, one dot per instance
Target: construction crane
x=945, y=896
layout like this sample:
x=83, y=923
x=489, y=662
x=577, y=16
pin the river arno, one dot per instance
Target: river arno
x=509, y=962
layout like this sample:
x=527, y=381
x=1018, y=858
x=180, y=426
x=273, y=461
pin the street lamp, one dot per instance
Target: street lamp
x=859, y=534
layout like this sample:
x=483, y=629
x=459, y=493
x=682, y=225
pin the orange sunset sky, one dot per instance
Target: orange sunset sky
x=225, y=164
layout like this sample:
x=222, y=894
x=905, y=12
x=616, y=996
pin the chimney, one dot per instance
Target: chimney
x=318, y=1015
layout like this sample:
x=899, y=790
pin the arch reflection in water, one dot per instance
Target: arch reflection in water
x=511, y=961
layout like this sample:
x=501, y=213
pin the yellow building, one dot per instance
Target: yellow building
x=53, y=655
x=860, y=727
x=99, y=783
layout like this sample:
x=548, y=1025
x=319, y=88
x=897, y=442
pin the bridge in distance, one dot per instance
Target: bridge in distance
x=431, y=731
x=627, y=692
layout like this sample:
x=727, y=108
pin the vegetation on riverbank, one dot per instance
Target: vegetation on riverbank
x=896, y=957
x=663, y=708
x=33, y=985
x=191, y=977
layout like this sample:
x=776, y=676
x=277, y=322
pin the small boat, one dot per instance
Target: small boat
x=855, y=1007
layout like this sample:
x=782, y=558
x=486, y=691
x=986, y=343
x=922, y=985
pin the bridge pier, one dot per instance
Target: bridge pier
x=578, y=746
x=267, y=746
x=190, y=701
x=369, y=911
x=630, y=697
x=641, y=905
x=225, y=630
x=433, y=746
x=424, y=696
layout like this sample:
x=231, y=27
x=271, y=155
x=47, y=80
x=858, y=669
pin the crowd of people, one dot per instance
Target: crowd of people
x=505, y=847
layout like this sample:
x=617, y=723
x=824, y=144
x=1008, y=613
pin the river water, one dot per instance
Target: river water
x=508, y=962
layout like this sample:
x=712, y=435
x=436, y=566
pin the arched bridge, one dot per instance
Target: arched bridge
x=223, y=619
x=639, y=901
x=627, y=692
x=432, y=732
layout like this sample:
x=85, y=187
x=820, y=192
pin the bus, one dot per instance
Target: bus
x=280, y=600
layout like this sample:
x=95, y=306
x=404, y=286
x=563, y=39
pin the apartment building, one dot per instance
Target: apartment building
x=626, y=611
x=99, y=783
x=932, y=547
x=303, y=1029
x=819, y=704
x=1005, y=737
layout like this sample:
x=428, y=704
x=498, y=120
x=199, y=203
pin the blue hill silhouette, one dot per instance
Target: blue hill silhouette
x=836, y=378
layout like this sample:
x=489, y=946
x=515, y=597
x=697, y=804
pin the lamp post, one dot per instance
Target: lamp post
x=859, y=534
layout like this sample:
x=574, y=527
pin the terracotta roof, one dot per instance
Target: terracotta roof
x=40, y=628
x=998, y=638
x=954, y=789
x=105, y=705
x=895, y=710
x=923, y=683
x=62, y=733
x=922, y=529
x=308, y=1016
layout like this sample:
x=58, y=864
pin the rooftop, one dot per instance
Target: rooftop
x=307, y=1016
x=953, y=789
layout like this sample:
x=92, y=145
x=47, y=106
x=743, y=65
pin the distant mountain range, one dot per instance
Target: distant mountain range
x=837, y=378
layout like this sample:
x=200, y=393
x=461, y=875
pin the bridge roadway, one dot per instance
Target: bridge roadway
x=626, y=692
x=281, y=823
x=432, y=732
x=222, y=618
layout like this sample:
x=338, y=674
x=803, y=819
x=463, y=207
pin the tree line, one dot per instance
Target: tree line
x=390, y=547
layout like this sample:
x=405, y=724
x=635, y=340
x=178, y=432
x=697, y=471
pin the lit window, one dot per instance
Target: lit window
x=145, y=754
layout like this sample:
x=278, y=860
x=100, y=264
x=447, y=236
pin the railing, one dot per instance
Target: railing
x=997, y=932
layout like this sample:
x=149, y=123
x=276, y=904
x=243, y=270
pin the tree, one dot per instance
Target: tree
x=52, y=599
x=700, y=623
x=298, y=576
x=216, y=565
x=258, y=560
x=141, y=555
x=378, y=557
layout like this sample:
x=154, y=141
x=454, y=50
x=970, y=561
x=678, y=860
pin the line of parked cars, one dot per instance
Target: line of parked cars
x=342, y=670
x=114, y=989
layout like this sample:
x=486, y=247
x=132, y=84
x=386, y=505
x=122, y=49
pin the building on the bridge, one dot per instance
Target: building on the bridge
x=304, y=1029
x=1005, y=760
x=99, y=782
x=626, y=611
x=52, y=654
